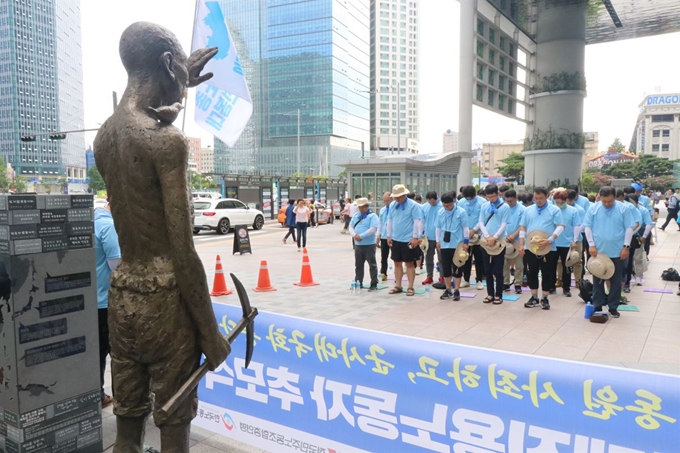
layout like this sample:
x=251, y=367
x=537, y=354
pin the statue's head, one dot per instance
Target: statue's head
x=152, y=53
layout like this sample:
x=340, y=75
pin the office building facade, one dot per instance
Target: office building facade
x=657, y=131
x=41, y=88
x=311, y=57
x=394, y=76
x=450, y=142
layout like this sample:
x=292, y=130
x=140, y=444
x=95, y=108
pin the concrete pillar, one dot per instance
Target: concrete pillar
x=561, y=41
x=466, y=87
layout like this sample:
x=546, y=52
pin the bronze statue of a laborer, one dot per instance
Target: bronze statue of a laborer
x=160, y=313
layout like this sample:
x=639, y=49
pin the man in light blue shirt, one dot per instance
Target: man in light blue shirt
x=431, y=210
x=545, y=217
x=472, y=204
x=381, y=240
x=363, y=227
x=404, y=225
x=451, y=228
x=622, y=196
x=568, y=240
x=107, y=256
x=647, y=203
x=512, y=237
x=637, y=261
x=493, y=219
x=609, y=229
x=572, y=195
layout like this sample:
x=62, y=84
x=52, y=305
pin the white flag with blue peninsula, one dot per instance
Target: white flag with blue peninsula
x=223, y=103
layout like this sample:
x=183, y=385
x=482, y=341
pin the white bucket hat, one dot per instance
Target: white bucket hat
x=399, y=190
x=511, y=251
x=362, y=202
x=601, y=266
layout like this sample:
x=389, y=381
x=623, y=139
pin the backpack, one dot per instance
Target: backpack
x=585, y=290
x=670, y=275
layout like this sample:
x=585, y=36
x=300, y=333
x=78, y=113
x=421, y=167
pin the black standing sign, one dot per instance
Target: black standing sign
x=241, y=240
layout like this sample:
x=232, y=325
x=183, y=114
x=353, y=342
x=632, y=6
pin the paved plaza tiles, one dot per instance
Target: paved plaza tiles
x=645, y=340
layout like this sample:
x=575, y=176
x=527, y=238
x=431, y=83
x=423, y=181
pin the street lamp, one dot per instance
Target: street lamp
x=298, y=137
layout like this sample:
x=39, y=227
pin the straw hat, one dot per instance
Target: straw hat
x=573, y=258
x=511, y=251
x=362, y=202
x=460, y=256
x=601, y=266
x=532, y=242
x=424, y=244
x=474, y=238
x=494, y=250
x=399, y=190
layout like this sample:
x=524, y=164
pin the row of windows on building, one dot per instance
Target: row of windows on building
x=661, y=133
x=663, y=118
x=402, y=7
x=664, y=148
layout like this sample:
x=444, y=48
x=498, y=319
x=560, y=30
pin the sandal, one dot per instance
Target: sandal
x=488, y=299
x=396, y=290
x=410, y=292
x=497, y=301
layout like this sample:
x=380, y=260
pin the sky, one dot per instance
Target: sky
x=618, y=74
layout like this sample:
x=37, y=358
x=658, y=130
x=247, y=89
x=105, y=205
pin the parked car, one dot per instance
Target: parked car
x=222, y=215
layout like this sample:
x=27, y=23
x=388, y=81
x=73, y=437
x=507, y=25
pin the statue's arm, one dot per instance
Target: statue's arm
x=171, y=164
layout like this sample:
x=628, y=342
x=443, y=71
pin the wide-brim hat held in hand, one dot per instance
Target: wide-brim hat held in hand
x=573, y=258
x=533, y=238
x=474, y=238
x=601, y=266
x=494, y=249
x=511, y=251
x=460, y=256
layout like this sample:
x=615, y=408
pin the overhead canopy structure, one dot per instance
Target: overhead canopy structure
x=608, y=20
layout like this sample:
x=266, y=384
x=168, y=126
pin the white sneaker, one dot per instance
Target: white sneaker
x=480, y=286
x=464, y=284
x=638, y=281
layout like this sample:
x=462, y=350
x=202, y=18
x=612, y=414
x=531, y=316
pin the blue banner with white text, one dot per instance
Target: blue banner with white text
x=315, y=387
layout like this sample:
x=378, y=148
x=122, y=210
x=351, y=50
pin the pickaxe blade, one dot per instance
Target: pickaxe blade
x=247, y=309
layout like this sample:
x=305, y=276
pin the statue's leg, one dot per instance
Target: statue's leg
x=175, y=438
x=130, y=434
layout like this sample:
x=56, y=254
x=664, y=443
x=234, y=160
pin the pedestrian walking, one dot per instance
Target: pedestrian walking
x=382, y=236
x=541, y=225
x=493, y=220
x=107, y=256
x=290, y=221
x=672, y=205
x=363, y=228
x=404, y=225
x=451, y=229
x=609, y=229
x=302, y=213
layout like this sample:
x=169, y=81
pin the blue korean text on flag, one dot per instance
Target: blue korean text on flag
x=223, y=103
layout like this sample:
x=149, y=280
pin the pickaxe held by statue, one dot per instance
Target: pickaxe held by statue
x=247, y=322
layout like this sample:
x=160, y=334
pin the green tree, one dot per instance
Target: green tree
x=20, y=183
x=4, y=180
x=650, y=166
x=198, y=181
x=513, y=166
x=96, y=180
x=618, y=146
x=623, y=170
x=660, y=183
x=588, y=182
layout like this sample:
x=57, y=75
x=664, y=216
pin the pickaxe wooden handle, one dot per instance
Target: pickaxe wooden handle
x=249, y=314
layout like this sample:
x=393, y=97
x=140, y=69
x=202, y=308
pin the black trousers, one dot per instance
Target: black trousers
x=476, y=253
x=362, y=254
x=291, y=230
x=546, y=265
x=494, y=273
x=384, y=256
x=647, y=242
x=562, y=254
x=104, y=346
x=600, y=299
x=302, y=234
x=672, y=215
x=634, y=245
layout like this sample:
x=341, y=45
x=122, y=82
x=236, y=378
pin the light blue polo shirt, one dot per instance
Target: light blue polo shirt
x=402, y=217
x=105, y=248
x=430, y=215
x=646, y=218
x=383, y=221
x=361, y=226
x=609, y=227
x=473, y=208
x=453, y=221
x=583, y=202
x=637, y=218
x=494, y=223
x=646, y=203
x=571, y=218
x=544, y=219
x=514, y=218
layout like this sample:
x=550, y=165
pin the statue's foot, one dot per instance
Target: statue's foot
x=175, y=438
x=129, y=435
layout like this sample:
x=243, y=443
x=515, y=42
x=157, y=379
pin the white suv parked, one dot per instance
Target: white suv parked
x=221, y=215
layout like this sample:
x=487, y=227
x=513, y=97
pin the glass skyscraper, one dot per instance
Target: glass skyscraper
x=311, y=56
x=41, y=87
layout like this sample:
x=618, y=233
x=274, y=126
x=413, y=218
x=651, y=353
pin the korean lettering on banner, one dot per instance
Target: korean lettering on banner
x=218, y=103
x=381, y=392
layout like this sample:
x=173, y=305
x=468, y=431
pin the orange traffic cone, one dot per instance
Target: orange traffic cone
x=220, y=284
x=263, y=282
x=306, y=278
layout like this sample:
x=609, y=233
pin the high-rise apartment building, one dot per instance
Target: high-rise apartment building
x=41, y=87
x=207, y=162
x=194, y=153
x=309, y=57
x=450, y=142
x=394, y=75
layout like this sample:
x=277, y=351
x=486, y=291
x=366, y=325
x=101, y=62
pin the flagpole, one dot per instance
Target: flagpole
x=186, y=93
